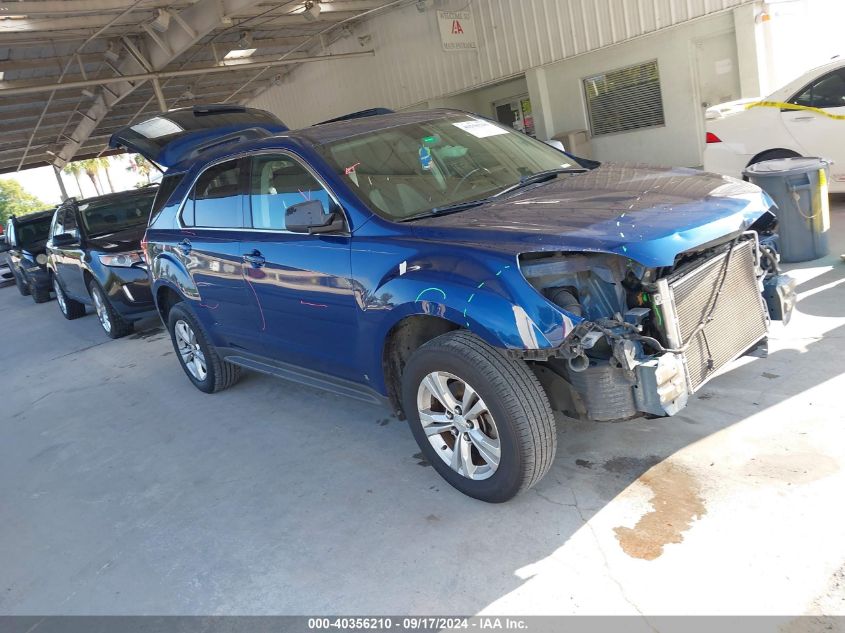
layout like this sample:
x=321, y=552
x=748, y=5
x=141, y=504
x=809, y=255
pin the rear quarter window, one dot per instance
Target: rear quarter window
x=165, y=190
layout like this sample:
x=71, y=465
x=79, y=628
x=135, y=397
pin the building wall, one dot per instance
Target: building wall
x=410, y=67
x=680, y=140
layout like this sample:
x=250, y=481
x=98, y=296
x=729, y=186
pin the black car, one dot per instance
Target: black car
x=94, y=257
x=26, y=239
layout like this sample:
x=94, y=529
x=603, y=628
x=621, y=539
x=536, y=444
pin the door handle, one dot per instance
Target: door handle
x=185, y=247
x=804, y=118
x=255, y=258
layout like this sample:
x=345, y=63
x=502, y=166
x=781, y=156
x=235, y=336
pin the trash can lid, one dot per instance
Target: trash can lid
x=787, y=165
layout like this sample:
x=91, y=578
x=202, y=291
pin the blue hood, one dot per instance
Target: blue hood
x=648, y=214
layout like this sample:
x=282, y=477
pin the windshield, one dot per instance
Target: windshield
x=111, y=216
x=407, y=170
x=29, y=232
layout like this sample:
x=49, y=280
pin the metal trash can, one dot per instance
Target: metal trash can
x=799, y=187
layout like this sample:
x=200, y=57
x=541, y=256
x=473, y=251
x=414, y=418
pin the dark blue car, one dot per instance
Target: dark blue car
x=94, y=258
x=473, y=277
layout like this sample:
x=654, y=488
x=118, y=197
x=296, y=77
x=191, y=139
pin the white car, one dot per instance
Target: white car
x=739, y=135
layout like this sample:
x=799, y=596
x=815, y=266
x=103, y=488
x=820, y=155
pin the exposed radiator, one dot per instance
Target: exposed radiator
x=739, y=321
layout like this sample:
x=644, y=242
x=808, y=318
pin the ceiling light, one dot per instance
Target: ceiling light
x=311, y=11
x=239, y=53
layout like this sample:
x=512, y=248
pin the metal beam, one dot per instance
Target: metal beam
x=164, y=74
x=87, y=22
x=204, y=17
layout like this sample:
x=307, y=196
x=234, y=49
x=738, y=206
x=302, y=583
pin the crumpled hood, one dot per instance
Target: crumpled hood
x=648, y=214
x=118, y=242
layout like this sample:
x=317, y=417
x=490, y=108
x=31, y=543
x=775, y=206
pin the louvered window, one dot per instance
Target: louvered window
x=625, y=99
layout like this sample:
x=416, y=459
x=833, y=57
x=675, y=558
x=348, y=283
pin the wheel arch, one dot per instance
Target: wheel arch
x=402, y=340
x=783, y=152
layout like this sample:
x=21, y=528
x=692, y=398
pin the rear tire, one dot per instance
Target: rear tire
x=507, y=440
x=23, y=288
x=69, y=308
x=198, y=358
x=114, y=325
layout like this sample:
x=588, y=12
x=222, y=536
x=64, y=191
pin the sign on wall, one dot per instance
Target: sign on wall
x=457, y=31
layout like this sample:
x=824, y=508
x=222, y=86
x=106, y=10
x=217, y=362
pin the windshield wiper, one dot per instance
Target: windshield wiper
x=446, y=209
x=540, y=176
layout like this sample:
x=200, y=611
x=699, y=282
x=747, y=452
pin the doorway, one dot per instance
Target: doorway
x=515, y=112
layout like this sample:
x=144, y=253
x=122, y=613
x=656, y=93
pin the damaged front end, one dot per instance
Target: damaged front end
x=645, y=339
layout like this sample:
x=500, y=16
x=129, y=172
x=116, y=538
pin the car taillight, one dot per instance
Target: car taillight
x=712, y=138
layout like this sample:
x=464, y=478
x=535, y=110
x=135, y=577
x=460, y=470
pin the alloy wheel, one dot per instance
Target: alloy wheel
x=60, y=296
x=189, y=350
x=459, y=425
x=102, y=311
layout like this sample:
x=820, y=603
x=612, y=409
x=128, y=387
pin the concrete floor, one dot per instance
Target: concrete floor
x=123, y=490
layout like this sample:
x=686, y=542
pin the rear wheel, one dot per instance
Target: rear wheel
x=113, y=323
x=39, y=295
x=69, y=308
x=481, y=419
x=199, y=359
x=23, y=287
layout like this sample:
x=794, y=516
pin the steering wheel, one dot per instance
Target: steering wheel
x=462, y=180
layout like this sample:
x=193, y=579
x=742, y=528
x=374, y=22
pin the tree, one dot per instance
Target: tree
x=14, y=200
x=75, y=169
x=140, y=166
x=91, y=167
x=104, y=163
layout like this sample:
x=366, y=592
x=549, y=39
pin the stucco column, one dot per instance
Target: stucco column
x=541, y=104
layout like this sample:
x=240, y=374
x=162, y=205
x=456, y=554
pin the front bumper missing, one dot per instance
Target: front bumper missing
x=779, y=294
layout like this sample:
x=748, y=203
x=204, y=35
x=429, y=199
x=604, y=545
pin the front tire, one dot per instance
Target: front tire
x=199, y=359
x=69, y=308
x=114, y=325
x=39, y=295
x=480, y=418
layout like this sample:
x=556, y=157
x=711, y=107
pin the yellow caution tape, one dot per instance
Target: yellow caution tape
x=792, y=106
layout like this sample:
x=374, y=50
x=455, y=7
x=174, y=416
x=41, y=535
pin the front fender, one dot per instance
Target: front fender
x=484, y=293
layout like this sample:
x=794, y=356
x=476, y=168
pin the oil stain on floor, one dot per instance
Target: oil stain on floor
x=676, y=502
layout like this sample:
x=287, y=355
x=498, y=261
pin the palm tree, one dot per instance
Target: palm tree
x=75, y=169
x=104, y=163
x=90, y=167
x=140, y=166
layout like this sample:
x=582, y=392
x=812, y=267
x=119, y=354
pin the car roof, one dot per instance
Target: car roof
x=786, y=91
x=116, y=196
x=316, y=135
x=334, y=131
x=36, y=215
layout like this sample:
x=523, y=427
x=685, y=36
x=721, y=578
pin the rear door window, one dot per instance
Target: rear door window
x=217, y=197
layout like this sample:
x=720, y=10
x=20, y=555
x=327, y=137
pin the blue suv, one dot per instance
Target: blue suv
x=474, y=278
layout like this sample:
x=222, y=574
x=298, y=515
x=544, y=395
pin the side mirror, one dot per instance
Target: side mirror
x=65, y=239
x=310, y=217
